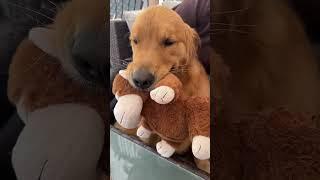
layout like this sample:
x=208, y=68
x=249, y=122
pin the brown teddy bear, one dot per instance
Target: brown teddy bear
x=178, y=119
x=59, y=114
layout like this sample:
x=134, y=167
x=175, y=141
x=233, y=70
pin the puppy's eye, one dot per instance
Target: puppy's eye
x=168, y=42
x=135, y=41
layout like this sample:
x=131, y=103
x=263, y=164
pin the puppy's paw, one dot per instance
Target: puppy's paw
x=127, y=111
x=162, y=95
x=201, y=147
x=165, y=149
x=143, y=133
x=203, y=165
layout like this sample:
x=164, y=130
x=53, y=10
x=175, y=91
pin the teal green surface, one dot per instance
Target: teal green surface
x=130, y=161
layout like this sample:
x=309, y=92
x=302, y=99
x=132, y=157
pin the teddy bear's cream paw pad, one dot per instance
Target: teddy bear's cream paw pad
x=165, y=149
x=124, y=74
x=22, y=111
x=117, y=96
x=201, y=147
x=143, y=132
x=127, y=111
x=162, y=94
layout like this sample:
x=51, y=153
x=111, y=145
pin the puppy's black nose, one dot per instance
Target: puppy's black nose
x=89, y=56
x=88, y=69
x=143, y=79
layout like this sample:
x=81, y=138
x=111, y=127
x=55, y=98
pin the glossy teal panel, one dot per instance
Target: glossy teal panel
x=132, y=161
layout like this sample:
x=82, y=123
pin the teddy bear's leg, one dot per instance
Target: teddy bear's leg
x=165, y=149
x=61, y=142
x=201, y=147
x=144, y=131
x=168, y=147
x=201, y=152
x=145, y=134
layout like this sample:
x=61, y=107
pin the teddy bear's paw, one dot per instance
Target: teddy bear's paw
x=201, y=147
x=124, y=74
x=165, y=149
x=162, y=94
x=127, y=111
x=143, y=133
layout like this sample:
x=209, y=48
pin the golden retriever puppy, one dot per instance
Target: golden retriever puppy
x=163, y=43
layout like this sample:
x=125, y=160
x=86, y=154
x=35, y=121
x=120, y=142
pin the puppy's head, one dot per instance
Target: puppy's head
x=161, y=42
x=78, y=38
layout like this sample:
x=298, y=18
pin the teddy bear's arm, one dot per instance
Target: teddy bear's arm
x=172, y=81
x=130, y=103
x=20, y=77
x=144, y=131
x=169, y=83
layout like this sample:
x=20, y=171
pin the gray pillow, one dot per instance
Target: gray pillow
x=120, y=50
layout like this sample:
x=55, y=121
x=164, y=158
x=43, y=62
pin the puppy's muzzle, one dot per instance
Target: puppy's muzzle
x=90, y=57
x=143, y=79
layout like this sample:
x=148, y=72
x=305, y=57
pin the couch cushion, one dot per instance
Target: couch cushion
x=120, y=50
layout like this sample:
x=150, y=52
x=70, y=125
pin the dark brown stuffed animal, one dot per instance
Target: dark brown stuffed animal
x=37, y=81
x=178, y=119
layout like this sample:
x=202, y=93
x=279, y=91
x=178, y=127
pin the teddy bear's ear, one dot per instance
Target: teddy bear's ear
x=43, y=38
x=124, y=74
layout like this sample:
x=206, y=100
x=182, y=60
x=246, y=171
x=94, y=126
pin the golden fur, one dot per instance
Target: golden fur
x=150, y=29
x=77, y=16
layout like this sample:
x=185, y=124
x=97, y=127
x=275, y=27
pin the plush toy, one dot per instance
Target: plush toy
x=178, y=119
x=62, y=117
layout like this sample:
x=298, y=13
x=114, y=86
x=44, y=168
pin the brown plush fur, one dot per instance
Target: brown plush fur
x=42, y=80
x=177, y=122
x=150, y=29
x=39, y=80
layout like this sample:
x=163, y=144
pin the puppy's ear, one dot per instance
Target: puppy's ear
x=44, y=39
x=192, y=42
